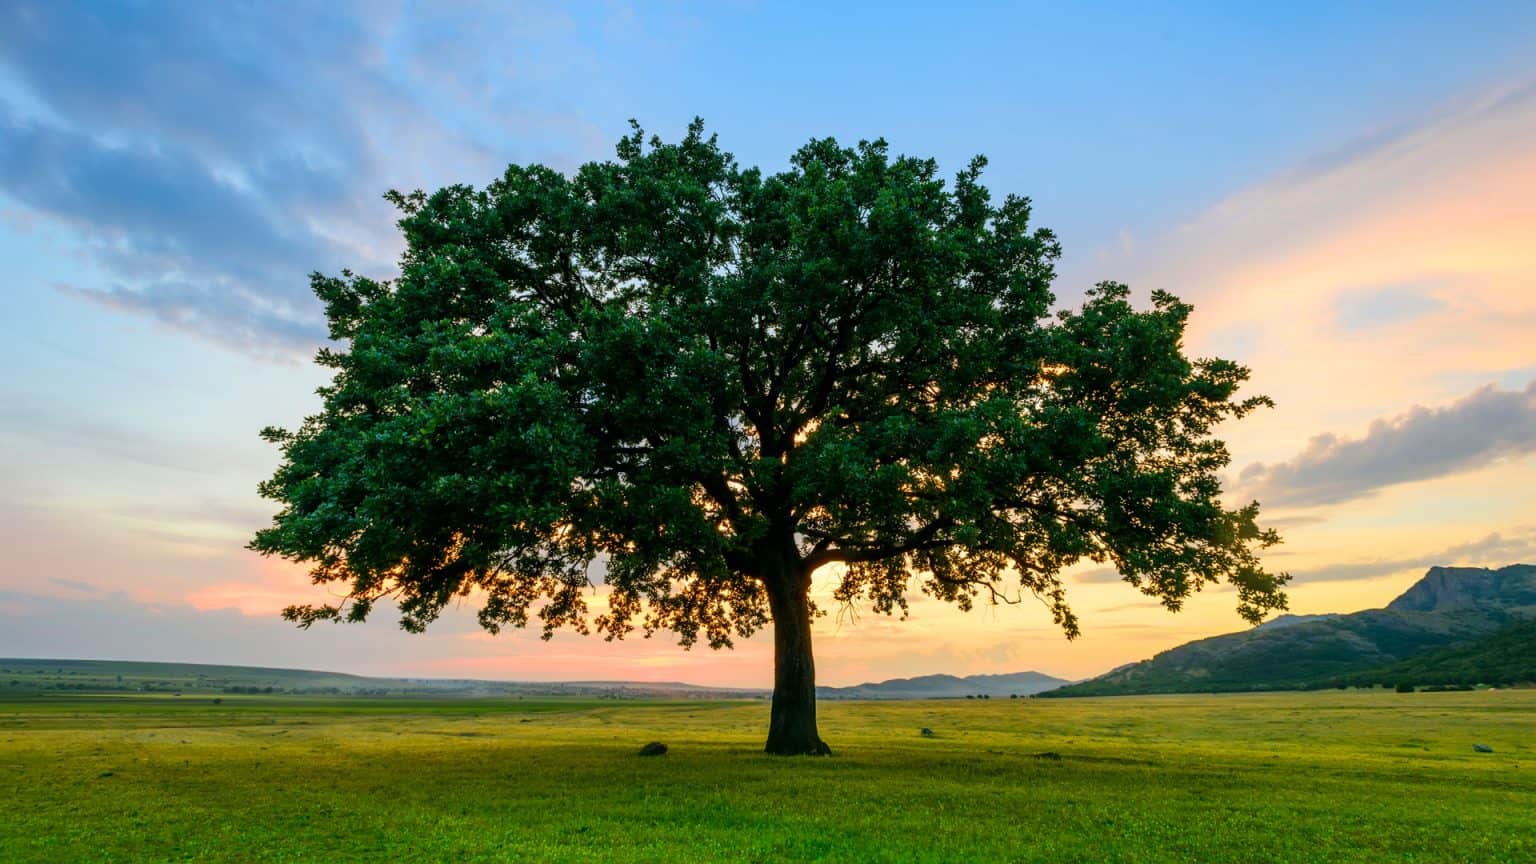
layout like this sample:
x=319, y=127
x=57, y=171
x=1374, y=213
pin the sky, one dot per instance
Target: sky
x=1345, y=191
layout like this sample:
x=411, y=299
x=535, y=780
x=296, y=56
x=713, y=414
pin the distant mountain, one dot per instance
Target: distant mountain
x=24, y=676
x=31, y=675
x=947, y=687
x=1449, y=607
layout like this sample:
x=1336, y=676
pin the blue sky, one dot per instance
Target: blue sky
x=170, y=172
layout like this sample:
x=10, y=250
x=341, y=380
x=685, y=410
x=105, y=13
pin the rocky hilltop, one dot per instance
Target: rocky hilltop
x=1444, y=589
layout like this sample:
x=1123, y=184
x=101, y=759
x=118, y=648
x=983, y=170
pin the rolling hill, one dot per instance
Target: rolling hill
x=30, y=675
x=947, y=687
x=1508, y=656
x=1456, y=625
x=19, y=676
x=1449, y=609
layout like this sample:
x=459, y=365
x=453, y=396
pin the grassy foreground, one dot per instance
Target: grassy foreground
x=1333, y=776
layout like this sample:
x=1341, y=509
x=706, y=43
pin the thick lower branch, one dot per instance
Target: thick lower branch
x=853, y=551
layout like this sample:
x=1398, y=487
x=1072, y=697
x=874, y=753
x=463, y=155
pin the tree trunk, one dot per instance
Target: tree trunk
x=792, y=725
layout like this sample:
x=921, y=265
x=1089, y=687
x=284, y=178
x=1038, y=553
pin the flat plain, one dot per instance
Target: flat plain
x=1293, y=777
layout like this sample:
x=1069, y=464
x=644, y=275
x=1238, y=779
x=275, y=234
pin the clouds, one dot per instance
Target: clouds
x=150, y=207
x=187, y=168
x=1421, y=444
x=1370, y=290
x=189, y=249
x=115, y=444
x=208, y=157
x=1375, y=292
x=1098, y=576
x=103, y=624
x=1386, y=306
x=1357, y=284
x=1494, y=550
x=204, y=77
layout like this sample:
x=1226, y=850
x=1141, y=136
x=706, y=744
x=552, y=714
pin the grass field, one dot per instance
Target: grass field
x=1333, y=776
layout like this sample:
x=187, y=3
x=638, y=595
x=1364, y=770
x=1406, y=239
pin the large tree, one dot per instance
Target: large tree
x=695, y=384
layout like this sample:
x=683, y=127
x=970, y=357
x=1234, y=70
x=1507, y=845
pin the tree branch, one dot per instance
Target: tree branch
x=925, y=538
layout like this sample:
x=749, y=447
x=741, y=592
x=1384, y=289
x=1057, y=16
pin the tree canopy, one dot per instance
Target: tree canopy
x=694, y=384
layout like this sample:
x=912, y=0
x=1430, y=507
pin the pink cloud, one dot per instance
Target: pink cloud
x=271, y=585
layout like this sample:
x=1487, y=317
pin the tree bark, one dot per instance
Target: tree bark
x=792, y=724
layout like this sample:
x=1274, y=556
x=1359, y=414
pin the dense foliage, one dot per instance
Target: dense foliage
x=712, y=381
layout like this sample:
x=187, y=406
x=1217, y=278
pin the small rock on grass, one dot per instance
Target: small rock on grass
x=1482, y=748
x=927, y=733
x=655, y=748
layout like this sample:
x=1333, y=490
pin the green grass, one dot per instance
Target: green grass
x=1329, y=776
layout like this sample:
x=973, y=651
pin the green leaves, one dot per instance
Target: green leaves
x=663, y=371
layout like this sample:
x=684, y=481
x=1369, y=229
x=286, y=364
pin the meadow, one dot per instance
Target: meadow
x=1320, y=776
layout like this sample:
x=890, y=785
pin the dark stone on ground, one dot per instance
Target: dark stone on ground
x=1482, y=748
x=927, y=733
x=655, y=748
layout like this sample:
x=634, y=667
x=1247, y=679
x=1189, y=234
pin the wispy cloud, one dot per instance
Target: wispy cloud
x=1385, y=306
x=113, y=625
x=1421, y=444
x=208, y=158
x=1299, y=520
x=1494, y=550
x=119, y=443
x=1097, y=576
x=1356, y=284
